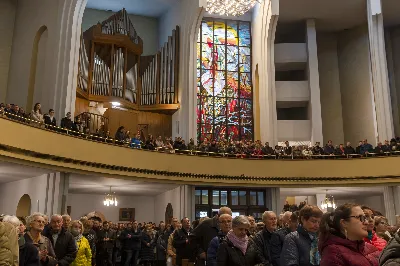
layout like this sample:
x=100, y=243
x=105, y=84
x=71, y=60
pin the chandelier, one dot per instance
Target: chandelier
x=328, y=203
x=110, y=199
x=230, y=7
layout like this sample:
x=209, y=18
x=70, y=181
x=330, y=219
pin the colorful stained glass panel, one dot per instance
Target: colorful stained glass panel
x=244, y=34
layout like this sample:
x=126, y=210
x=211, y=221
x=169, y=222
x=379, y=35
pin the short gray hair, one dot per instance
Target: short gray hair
x=240, y=220
x=55, y=216
x=267, y=213
x=66, y=216
x=31, y=218
x=11, y=220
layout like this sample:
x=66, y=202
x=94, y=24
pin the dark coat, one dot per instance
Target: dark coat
x=101, y=245
x=277, y=240
x=132, y=243
x=262, y=247
x=390, y=256
x=49, y=121
x=28, y=255
x=161, y=248
x=65, y=247
x=349, y=150
x=338, y=251
x=229, y=255
x=329, y=149
x=204, y=233
x=184, y=250
x=43, y=244
x=296, y=249
x=147, y=252
x=67, y=123
x=213, y=249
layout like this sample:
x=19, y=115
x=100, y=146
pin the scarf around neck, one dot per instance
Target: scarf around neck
x=315, y=257
x=240, y=243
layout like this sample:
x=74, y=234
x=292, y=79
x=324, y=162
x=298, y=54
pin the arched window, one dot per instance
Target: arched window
x=224, y=88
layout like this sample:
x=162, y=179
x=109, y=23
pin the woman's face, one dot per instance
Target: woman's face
x=241, y=230
x=312, y=224
x=39, y=106
x=38, y=223
x=382, y=226
x=356, y=230
x=370, y=219
x=21, y=228
x=77, y=227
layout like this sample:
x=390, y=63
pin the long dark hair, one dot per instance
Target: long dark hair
x=35, y=106
x=330, y=223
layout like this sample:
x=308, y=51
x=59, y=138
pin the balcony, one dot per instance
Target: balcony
x=292, y=91
x=290, y=56
x=294, y=130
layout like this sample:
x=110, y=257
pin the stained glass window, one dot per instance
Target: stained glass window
x=224, y=87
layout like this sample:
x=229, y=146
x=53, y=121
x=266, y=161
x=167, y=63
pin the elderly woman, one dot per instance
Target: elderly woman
x=84, y=254
x=35, y=224
x=233, y=250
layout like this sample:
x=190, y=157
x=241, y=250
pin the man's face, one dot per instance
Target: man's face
x=66, y=222
x=271, y=222
x=8, y=106
x=162, y=226
x=135, y=225
x=186, y=223
x=129, y=226
x=252, y=222
x=16, y=108
x=96, y=224
x=106, y=226
x=56, y=223
x=225, y=223
x=174, y=223
x=348, y=144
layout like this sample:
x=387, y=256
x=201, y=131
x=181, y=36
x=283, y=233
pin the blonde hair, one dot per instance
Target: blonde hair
x=76, y=222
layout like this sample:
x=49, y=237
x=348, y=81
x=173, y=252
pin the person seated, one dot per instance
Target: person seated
x=36, y=114
x=150, y=143
x=349, y=149
x=386, y=147
x=379, y=148
x=191, y=146
x=50, y=120
x=66, y=123
x=135, y=142
x=22, y=114
x=159, y=144
x=340, y=150
x=267, y=150
x=329, y=149
x=183, y=146
x=287, y=150
x=317, y=150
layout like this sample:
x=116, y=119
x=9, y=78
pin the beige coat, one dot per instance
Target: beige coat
x=9, y=248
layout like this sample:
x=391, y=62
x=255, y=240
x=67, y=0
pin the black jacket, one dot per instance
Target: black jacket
x=329, y=149
x=65, y=247
x=204, y=233
x=349, y=150
x=229, y=255
x=147, y=252
x=49, y=121
x=296, y=249
x=101, y=244
x=184, y=249
x=262, y=247
x=67, y=123
x=133, y=243
x=390, y=256
x=28, y=254
x=277, y=239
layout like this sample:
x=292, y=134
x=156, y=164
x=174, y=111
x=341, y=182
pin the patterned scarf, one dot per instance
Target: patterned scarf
x=315, y=258
x=240, y=243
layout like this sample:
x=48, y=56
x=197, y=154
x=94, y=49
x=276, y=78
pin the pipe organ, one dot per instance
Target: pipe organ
x=112, y=69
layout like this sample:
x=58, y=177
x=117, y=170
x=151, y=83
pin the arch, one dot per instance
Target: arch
x=24, y=206
x=34, y=66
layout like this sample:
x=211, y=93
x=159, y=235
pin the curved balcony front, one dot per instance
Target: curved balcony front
x=29, y=145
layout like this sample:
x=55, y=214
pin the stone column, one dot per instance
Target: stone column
x=57, y=185
x=390, y=204
x=272, y=199
x=379, y=70
x=313, y=80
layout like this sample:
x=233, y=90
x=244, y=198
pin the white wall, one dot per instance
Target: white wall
x=374, y=202
x=82, y=204
x=355, y=85
x=297, y=91
x=329, y=82
x=45, y=191
x=290, y=52
x=146, y=27
x=294, y=130
x=8, y=10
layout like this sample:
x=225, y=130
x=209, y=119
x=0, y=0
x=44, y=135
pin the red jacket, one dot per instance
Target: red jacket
x=337, y=251
x=378, y=242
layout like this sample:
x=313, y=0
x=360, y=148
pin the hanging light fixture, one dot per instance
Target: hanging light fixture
x=110, y=199
x=230, y=7
x=328, y=203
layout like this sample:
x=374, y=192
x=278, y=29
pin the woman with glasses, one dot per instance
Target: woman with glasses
x=381, y=227
x=35, y=224
x=341, y=238
x=372, y=238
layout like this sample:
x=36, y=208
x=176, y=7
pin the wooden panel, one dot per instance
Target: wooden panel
x=81, y=106
x=158, y=124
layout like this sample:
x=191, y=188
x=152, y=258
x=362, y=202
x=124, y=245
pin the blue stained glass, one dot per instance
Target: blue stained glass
x=225, y=104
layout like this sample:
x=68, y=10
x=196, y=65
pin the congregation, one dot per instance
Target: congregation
x=219, y=148
x=350, y=235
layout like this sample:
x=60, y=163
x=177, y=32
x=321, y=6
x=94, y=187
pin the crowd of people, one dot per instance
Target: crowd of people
x=351, y=235
x=231, y=148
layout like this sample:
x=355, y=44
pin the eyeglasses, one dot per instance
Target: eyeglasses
x=40, y=222
x=362, y=218
x=384, y=223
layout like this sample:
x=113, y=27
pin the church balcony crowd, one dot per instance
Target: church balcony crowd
x=351, y=235
x=223, y=148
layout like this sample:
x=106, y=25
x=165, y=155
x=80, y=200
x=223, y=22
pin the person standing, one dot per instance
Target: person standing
x=84, y=253
x=131, y=239
x=181, y=242
x=148, y=244
x=262, y=240
x=225, y=224
x=106, y=238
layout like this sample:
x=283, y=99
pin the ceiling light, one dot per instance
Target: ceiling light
x=115, y=104
x=230, y=7
x=110, y=199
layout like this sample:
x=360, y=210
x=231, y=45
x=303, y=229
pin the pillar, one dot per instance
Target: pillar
x=389, y=193
x=273, y=199
x=57, y=185
x=313, y=80
x=379, y=71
